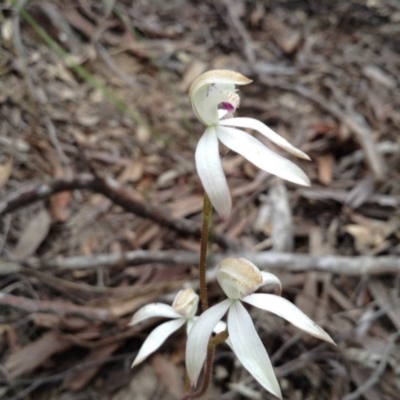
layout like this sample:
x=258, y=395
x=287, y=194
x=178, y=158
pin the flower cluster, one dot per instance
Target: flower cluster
x=214, y=100
x=239, y=279
x=182, y=312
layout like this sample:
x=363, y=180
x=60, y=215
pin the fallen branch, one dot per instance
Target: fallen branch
x=113, y=191
x=60, y=308
x=265, y=260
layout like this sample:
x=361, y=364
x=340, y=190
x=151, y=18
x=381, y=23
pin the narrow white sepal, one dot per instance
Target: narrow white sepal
x=156, y=338
x=262, y=157
x=258, y=126
x=154, y=310
x=249, y=349
x=196, y=346
x=287, y=310
x=211, y=174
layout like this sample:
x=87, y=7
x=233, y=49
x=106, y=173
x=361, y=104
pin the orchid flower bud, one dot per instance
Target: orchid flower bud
x=238, y=277
x=186, y=303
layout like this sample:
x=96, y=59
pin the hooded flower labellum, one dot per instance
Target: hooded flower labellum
x=214, y=101
x=182, y=312
x=239, y=279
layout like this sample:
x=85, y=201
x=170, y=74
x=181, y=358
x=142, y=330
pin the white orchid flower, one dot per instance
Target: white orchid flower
x=182, y=312
x=213, y=98
x=239, y=279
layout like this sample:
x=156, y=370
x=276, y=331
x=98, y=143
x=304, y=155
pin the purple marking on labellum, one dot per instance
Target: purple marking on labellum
x=227, y=106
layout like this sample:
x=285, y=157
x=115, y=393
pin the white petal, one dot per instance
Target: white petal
x=267, y=132
x=260, y=155
x=211, y=174
x=189, y=324
x=272, y=282
x=220, y=327
x=154, y=310
x=249, y=349
x=287, y=310
x=222, y=113
x=156, y=338
x=196, y=347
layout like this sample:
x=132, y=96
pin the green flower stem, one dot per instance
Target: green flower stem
x=205, y=233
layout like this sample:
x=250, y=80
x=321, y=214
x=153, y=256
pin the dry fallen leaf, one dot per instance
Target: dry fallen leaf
x=169, y=374
x=5, y=171
x=325, y=168
x=59, y=206
x=35, y=354
x=33, y=235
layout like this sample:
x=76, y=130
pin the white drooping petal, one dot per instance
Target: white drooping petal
x=156, y=338
x=271, y=282
x=261, y=156
x=154, y=310
x=267, y=132
x=287, y=310
x=249, y=349
x=186, y=302
x=196, y=346
x=211, y=174
x=238, y=277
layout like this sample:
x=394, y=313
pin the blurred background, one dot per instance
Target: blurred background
x=100, y=201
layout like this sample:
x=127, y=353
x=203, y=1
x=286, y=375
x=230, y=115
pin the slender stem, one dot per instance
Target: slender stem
x=205, y=233
x=215, y=341
x=218, y=339
x=206, y=378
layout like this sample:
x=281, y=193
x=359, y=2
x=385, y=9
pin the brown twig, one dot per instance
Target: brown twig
x=113, y=191
x=375, y=377
x=352, y=266
x=61, y=308
x=240, y=34
x=354, y=121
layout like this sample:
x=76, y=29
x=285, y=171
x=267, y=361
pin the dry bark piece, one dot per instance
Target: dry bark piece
x=282, y=223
